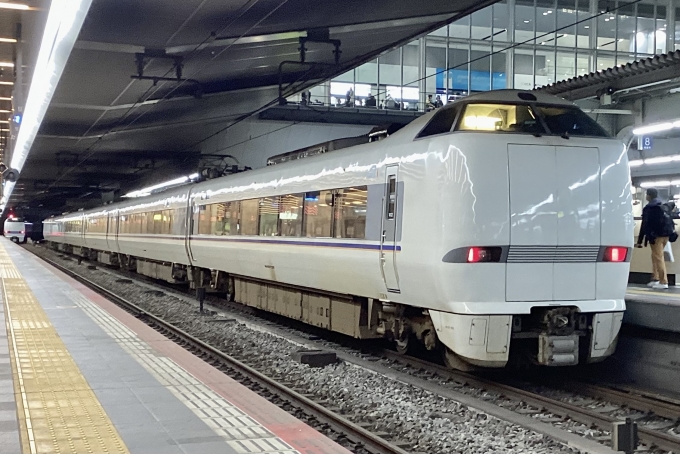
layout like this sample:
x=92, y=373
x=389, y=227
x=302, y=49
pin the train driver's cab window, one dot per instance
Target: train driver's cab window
x=499, y=117
x=441, y=122
x=572, y=121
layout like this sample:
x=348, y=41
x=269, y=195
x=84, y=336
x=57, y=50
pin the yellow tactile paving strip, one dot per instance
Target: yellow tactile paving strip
x=58, y=411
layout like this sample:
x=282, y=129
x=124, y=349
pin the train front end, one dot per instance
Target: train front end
x=536, y=254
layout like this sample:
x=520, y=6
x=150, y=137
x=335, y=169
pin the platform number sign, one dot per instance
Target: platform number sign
x=645, y=143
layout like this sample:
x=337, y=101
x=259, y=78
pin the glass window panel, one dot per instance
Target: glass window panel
x=645, y=36
x=179, y=222
x=157, y=217
x=498, y=71
x=501, y=14
x=499, y=117
x=565, y=65
x=318, y=214
x=566, y=18
x=582, y=64
x=269, y=216
x=544, y=63
x=677, y=28
x=545, y=23
x=350, y=213
x=524, y=70
x=204, y=221
x=605, y=62
x=480, y=69
x=481, y=23
x=290, y=216
x=439, y=31
x=458, y=74
x=218, y=219
x=570, y=120
x=441, y=123
x=584, y=27
x=524, y=20
x=460, y=28
x=606, y=27
x=249, y=212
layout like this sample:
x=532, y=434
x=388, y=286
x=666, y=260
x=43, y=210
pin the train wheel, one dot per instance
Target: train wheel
x=454, y=361
x=403, y=346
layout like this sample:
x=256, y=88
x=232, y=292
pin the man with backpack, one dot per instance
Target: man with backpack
x=658, y=229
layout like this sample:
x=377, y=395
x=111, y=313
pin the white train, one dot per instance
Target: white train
x=497, y=228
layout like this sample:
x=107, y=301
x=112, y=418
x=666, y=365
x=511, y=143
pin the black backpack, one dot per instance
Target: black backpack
x=668, y=224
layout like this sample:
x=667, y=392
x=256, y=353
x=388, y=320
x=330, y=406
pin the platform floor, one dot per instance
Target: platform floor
x=80, y=375
x=656, y=309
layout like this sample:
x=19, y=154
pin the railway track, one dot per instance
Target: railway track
x=361, y=439
x=646, y=406
x=596, y=417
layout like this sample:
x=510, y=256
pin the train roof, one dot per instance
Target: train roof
x=515, y=96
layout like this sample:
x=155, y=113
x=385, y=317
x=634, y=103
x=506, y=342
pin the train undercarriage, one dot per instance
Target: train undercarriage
x=548, y=336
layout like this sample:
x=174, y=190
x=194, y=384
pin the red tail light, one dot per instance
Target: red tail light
x=483, y=254
x=615, y=254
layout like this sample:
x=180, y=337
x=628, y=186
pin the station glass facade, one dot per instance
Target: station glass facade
x=512, y=44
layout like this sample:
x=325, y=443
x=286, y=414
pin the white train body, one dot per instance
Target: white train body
x=15, y=230
x=475, y=240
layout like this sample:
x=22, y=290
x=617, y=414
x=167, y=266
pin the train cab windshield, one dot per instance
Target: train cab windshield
x=536, y=119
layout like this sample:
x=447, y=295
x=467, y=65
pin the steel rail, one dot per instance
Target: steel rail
x=583, y=415
x=357, y=434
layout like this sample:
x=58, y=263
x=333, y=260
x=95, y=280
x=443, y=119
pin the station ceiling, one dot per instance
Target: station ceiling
x=106, y=129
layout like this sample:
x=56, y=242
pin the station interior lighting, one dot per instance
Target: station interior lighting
x=659, y=127
x=7, y=5
x=659, y=184
x=8, y=40
x=6, y=64
x=174, y=182
x=655, y=160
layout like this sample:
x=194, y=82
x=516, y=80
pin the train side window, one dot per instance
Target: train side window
x=233, y=224
x=350, y=214
x=318, y=214
x=269, y=216
x=179, y=226
x=204, y=220
x=441, y=122
x=249, y=214
x=166, y=229
x=391, y=197
x=290, y=215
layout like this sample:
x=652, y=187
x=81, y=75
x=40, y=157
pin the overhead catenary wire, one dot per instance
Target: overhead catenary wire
x=274, y=101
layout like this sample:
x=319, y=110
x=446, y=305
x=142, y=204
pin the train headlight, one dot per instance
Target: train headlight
x=615, y=254
x=478, y=254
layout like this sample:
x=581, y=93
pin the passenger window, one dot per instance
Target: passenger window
x=291, y=215
x=166, y=229
x=318, y=214
x=249, y=213
x=179, y=222
x=499, y=117
x=350, y=215
x=441, y=122
x=269, y=216
x=204, y=219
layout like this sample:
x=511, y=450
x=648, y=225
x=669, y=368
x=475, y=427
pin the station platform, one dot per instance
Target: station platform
x=655, y=309
x=80, y=375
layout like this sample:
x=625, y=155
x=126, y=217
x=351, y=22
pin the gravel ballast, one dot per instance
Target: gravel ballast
x=427, y=422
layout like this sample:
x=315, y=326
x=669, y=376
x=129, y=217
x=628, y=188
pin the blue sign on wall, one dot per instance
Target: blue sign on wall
x=645, y=143
x=479, y=80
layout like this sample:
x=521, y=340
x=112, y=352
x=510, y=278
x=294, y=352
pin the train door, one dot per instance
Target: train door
x=390, y=222
x=191, y=221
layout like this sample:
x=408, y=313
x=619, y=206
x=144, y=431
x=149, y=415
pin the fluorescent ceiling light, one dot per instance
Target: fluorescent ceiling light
x=635, y=163
x=661, y=160
x=64, y=21
x=6, y=83
x=6, y=5
x=6, y=64
x=5, y=98
x=653, y=128
x=148, y=191
x=5, y=111
x=652, y=184
x=8, y=40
